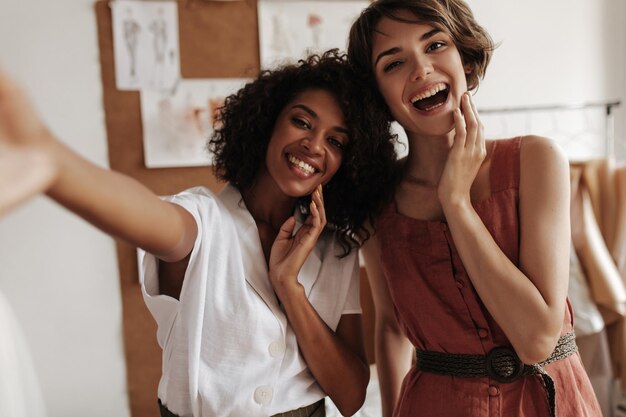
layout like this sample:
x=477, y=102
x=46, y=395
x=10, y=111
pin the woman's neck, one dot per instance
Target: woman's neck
x=426, y=158
x=267, y=203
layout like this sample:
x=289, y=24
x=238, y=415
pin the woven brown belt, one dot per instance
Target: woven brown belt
x=501, y=364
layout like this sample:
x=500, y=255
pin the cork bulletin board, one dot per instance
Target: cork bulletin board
x=217, y=40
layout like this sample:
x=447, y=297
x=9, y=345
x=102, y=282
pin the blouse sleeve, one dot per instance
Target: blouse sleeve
x=199, y=202
x=353, y=298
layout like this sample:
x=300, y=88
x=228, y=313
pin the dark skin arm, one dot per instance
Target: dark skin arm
x=115, y=203
x=171, y=276
x=336, y=359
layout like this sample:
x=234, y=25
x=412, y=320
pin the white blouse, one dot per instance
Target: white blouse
x=228, y=349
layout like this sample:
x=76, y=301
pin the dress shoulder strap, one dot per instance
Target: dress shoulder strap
x=505, y=164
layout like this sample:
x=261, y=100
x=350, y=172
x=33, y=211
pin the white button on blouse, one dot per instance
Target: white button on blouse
x=276, y=348
x=263, y=394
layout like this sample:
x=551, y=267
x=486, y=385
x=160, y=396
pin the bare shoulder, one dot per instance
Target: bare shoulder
x=538, y=153
x=544, y=168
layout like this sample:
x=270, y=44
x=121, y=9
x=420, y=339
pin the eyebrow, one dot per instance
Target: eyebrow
x=315, y=116
x=395, y=49
x=306, y=109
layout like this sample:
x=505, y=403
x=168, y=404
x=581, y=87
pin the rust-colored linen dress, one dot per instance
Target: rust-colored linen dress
x=440, y=310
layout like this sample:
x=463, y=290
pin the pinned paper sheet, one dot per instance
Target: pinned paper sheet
x=177, y=125
x=291, y=30
x=145, y=43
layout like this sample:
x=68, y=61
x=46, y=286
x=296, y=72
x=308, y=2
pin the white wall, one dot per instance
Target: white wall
x=60, y=274
x=555, y=52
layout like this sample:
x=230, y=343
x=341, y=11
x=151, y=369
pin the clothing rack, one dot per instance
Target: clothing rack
x=607, y=105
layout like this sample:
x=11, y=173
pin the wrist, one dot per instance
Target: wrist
x=24, y=173
x=56, y=155
x=70, y=175
x=452, y=198
x=287, y=288
x=453, y=203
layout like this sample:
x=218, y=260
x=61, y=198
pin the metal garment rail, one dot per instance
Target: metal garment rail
x=607, y=105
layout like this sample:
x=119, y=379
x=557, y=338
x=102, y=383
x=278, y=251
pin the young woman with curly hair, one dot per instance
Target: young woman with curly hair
x=255, y=290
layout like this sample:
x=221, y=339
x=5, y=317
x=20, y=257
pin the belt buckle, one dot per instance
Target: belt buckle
x=503, y=365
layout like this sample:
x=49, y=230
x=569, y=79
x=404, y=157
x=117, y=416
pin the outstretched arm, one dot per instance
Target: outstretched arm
x=336, y=359
x=528, y=301
x=117, y=204
x=18, y=185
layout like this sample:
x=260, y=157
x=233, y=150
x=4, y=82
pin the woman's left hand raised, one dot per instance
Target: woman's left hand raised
x=289, y=251
x=466, y=156
x=26, y=169
x=19, y=122
x=24, y=172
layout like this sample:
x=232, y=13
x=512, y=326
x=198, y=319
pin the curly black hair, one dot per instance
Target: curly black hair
x=363, y=183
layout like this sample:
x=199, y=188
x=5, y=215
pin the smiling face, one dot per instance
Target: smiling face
x=306, y=146
x=419, y=73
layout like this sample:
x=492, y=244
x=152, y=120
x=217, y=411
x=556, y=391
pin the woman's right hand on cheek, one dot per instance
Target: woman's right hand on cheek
x=289, y=251
x=466, y=155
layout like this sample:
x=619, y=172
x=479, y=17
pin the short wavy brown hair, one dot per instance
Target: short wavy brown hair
x=361, y=186
x=452, y=16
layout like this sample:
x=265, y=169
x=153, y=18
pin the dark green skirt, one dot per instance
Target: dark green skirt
x=314, y=410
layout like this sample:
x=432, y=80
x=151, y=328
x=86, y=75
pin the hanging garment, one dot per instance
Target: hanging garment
x=587, y=318
x=618, y=247
x=20, y=394
x=590, y=197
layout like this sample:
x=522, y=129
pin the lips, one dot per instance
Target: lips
x=299, y=164
x=431, y=98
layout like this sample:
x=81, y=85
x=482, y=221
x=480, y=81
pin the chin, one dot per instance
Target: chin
x=444, y=126
x=436, y=130
x=297, y=190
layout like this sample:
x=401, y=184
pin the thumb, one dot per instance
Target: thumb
x=460, y=130
x=286, y=229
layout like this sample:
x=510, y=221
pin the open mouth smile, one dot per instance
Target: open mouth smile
x=432, y=98
x=304, y=167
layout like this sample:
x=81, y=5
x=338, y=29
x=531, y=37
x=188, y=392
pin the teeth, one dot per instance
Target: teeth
x=303, y=166
x=429, y=93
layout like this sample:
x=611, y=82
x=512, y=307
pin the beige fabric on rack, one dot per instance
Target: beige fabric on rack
x=598, y=177
x=587, y=318
x=618, y=248
x=595, y=355
x=592, y=199
x=617, y=333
